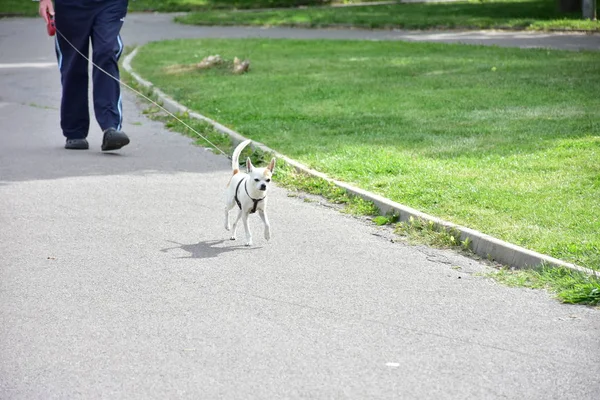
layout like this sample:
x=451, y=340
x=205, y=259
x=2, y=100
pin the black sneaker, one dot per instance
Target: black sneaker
x=77, y=144
x=114, y=139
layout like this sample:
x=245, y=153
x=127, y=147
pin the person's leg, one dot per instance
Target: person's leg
x=107, y=48
x=74, y=24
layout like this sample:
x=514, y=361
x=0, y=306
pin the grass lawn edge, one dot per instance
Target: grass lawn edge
x=456, y=28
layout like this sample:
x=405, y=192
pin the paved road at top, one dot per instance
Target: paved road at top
x=141, y=28
x=117, y=279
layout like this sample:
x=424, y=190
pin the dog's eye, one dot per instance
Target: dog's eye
x=268, y=180
x=256, y=180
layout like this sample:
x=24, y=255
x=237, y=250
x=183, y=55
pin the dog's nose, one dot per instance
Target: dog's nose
x=263, y=187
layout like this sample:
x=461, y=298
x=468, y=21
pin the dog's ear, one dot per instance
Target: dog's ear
x=249, y=166
x=271, y=166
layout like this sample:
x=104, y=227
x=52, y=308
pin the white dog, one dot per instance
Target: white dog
x=248, y=191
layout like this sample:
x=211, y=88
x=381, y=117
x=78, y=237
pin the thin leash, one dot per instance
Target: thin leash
x=144, y=96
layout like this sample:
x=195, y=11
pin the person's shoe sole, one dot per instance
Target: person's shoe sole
x=77, y=144
x=114, y=140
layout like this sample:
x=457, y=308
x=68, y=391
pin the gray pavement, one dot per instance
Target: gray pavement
x=141, y=28
x=117, y=279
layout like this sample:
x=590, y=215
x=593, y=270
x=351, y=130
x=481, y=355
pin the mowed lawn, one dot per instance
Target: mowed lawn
x=493, y=14
x=506, y=141
x=28, y=7
x=469, y=14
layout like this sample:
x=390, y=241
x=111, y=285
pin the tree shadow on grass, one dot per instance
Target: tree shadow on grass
x=207, y=248
x=540, y=9
x=422, y=15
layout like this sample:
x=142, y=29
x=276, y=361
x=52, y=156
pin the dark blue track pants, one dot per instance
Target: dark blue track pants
x=82, y=22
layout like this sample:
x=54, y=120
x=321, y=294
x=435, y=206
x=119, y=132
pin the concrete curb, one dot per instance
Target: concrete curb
x=483, y=245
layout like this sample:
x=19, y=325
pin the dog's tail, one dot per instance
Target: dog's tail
x=235, y=158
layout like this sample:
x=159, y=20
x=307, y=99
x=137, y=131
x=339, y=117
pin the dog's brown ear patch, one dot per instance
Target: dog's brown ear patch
x=235, y=171
x=271, y=166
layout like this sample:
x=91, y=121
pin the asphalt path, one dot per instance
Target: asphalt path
x=141, y=28
x=117, y=279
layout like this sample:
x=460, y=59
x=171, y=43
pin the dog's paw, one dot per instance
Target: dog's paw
x=232, y=238
x=248, y=244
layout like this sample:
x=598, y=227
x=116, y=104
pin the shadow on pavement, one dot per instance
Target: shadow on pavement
x=32, y=148
x=208, y=248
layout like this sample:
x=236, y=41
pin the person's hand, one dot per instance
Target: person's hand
x=46, y=8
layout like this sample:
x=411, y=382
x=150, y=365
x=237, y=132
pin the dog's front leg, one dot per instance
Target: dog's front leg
x=235, y=224
x=227, y=209
x=247, y=228
x=265, y=219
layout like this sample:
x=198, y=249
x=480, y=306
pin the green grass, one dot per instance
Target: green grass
x=19, y=7
x=569, y=286
x=203, y=5
x=418, y=231
x=288, y=177
x=506, y=141
x=29, y=8
x=499, y=14
x=472, y=14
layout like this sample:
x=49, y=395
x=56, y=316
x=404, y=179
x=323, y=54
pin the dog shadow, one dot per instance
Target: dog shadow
x=207, y=249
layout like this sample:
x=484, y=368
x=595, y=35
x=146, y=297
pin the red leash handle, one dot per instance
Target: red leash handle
x=51, y=27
